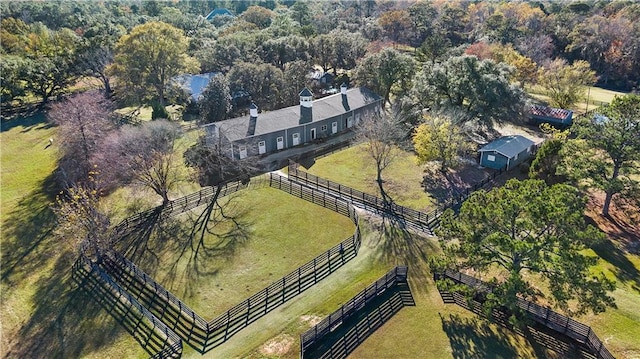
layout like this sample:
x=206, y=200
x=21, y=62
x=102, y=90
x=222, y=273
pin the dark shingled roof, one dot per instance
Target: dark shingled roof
x=305, y=92
x=550, y=112
x=508, y=145
x=236, y=128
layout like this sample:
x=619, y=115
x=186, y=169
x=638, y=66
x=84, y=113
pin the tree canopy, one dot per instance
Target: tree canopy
x=566, y=84
x=525, y=234
x=438, y=139
x=607, y=149
x=387, y=72
x=146, y=60
x=475, y=89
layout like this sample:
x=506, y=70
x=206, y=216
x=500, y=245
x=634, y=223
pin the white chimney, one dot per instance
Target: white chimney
x=253, y=110
x=343, y=88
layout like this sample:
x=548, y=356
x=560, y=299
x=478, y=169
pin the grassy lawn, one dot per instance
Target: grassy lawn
x=353, y=167
x=42, y=314
x=596, y=96
x=278, y=234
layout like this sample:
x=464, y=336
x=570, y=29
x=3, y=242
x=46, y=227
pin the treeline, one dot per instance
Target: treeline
x=268, y=47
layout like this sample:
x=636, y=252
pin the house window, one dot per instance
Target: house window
x=515, y=158
x=323, y=128
x=491, y=158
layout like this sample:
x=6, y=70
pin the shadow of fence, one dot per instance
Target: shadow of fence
x=151, y=298
x=344, y=330
x=152, y=334
x=555, y=330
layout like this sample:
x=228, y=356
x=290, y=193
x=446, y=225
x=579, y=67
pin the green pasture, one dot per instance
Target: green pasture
x=594, y=96
x=402, y=179
x=42, y=312
x=268, y=235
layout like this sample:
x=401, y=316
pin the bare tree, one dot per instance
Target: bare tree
x=381, y=133
x=143, y=155
x=83, y=122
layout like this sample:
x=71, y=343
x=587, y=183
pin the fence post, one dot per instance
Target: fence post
x=283, y=288
x=315, y=274
x=266, y=300
x=299, y=279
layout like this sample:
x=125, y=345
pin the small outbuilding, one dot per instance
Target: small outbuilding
x=506, y=152
x=557, y=117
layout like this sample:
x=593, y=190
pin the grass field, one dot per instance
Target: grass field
x=43, y=316
x=277, y=234
x=596, y=96
x=353, y=167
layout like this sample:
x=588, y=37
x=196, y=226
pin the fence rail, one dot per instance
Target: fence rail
x=205, y=335
x=424, y=221
x=183, y=204
x=544, y=316
x=335, y=319
x=125, y=308
x=419, y=220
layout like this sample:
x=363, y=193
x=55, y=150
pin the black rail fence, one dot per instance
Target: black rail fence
x=181, y=205
x=423, y=221
x=416, y=219
x=578, y=332
x=342, y=331
x=152, y=334
x=204, y=335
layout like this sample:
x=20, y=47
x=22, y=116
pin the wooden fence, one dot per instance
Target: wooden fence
x=149, y=331
x=425, y=222
x=192, y=328
x=391, y=279
x=419, y=220
x=558, y=323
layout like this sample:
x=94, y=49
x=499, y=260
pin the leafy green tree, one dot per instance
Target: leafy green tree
x=607, y=149
x=51, y=61
x=146, y=60
x=474, y=89
x=438, y=139
x=388, y=72
x=215, y=104
x=546, y=162
x=263, y=81
x=259, y=16
x=566, y=84
x=280, y=51
x=11, y=81
x=348, y=48
x=522, y=235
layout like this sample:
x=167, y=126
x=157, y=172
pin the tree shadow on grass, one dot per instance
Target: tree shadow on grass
x=396, y=245
x=27, y=234
x=475, y=338
x=65, y=322
x=444, y=187
x=30, y=119
x=624, y=270
x=178, y=252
